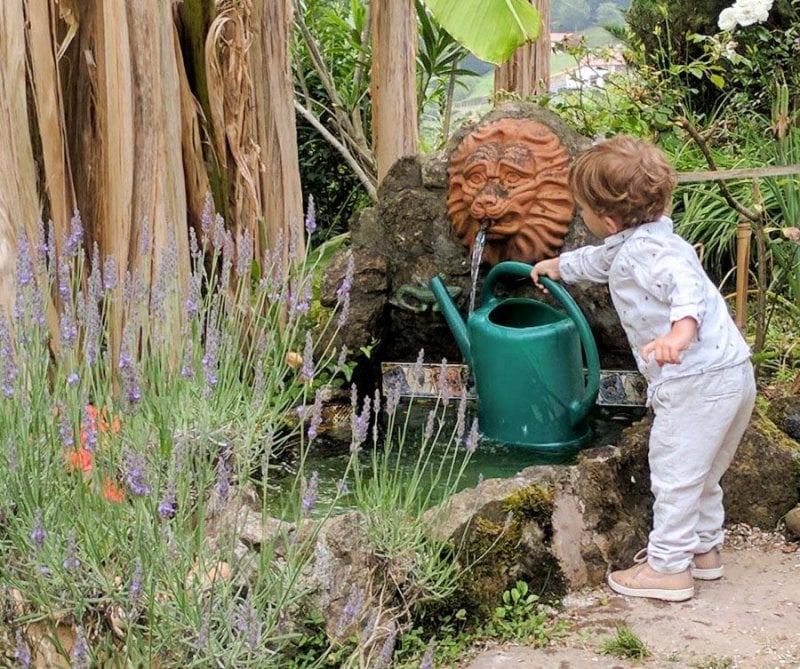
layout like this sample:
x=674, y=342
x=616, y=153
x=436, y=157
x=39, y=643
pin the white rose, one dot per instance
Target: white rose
x=727, y=19
x=748, y=12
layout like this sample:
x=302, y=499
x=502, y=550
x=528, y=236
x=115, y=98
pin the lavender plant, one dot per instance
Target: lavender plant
x=117, y=472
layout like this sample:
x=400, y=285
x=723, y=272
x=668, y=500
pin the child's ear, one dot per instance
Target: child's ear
x=612, y=224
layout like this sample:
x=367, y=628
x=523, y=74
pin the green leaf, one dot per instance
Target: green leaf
x=717, y=80
x=490, y=29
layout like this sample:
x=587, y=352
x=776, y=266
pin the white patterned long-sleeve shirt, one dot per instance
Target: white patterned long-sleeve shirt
x=655, y=279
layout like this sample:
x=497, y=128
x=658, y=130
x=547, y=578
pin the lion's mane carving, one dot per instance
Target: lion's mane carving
x=513, y=174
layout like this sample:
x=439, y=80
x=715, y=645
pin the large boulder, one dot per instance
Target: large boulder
x=569, y=525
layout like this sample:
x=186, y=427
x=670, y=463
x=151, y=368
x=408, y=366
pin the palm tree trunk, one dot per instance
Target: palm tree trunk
x=393, y=82
x=527, y=73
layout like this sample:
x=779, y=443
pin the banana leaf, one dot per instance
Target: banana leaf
x=490, y=29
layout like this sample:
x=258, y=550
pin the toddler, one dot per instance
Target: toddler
x=696, y=362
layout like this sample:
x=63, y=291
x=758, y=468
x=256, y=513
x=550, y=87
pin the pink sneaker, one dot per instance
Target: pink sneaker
x=643, y=581
x=707, y=566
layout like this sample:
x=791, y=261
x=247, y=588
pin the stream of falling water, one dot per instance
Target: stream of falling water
x=477, y=253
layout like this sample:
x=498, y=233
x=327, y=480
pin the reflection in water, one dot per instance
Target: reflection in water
x=331, y=453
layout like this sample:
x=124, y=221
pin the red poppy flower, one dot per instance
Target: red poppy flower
x=112, y=491
x=81, y=458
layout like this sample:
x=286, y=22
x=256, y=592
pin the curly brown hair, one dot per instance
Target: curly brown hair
x=625, y=178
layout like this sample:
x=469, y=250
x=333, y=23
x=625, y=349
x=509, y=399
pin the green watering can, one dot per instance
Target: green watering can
x=526, y=359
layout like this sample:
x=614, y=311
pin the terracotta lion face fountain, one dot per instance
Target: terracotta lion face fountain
x=512, y=176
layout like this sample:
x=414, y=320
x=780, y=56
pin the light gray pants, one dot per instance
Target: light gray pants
x=699, y=421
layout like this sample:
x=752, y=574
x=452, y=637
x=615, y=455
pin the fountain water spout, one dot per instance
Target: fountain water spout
x=477, y=254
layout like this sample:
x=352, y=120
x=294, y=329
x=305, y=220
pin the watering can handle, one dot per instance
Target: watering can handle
x=520, y=270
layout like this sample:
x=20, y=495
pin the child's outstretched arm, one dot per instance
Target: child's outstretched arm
x=668, y=348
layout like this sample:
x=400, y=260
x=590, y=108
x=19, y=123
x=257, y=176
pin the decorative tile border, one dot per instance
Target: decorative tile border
x=617, y=387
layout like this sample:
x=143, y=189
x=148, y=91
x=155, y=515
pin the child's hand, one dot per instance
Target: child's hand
x=545, y=268
x=668, y=348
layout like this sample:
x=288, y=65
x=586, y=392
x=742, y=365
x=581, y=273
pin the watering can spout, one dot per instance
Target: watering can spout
x=457, y=325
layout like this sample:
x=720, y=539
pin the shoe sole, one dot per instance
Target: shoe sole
x=667, y=595
x=712, y=574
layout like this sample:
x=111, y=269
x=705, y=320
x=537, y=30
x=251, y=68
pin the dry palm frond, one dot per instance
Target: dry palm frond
x=197, y=181
x=45, y=80
x=231, y=95
x=19, y=202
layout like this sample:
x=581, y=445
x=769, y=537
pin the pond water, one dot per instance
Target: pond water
x=330, y=454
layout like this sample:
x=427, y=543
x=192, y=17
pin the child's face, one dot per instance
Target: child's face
x=600, y=226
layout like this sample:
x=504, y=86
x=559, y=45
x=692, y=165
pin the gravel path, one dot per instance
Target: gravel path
x=748, y=620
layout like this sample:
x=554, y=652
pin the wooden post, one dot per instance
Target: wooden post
x=393, y=82
x=527, y=73
x=743, y=233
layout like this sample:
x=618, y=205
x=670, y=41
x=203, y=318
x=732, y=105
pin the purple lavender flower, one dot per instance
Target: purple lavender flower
x=427, y=659
x=228, y=256
x=219, y=234
x=307, y=370
x=194, y=248
x=461, y=415
x=187, y=366
x=359, y=425
x=72, y=379
x=8, y=364
x=473, y=437
x=25, y=270
x=223, y=479
x=442, y=387
x=246, y=622
x=39, y=534
x=166, y=508
x=387, y=650
x=352, y=608
x=90, y=430
x=193, y=297
x=69, y=328
x=65, y=428
x=342, y=487
x=80, y=651
x=310, y=492
x=73, y=243
x=316, y=416
x=135, y=589
x=311, y=216
x=42, y=250
x=419, y=373
x=131, y=386
x=136, y=473
x=429, y=424
x=392, y=398
x=342, y=359
x=207, y=218
x=343, y=292
x=72, y=562
x=244, y=254
x=64, y=291
x=211, y=356
x=110, y=278
x=22, y=654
